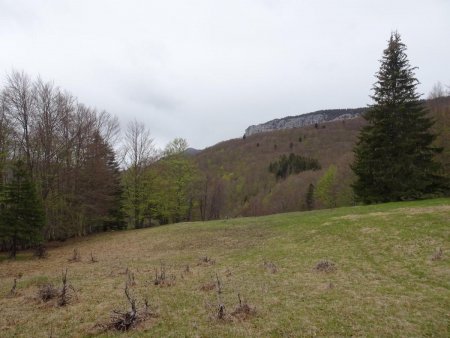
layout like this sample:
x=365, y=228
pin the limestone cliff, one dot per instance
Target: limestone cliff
x=320, y=116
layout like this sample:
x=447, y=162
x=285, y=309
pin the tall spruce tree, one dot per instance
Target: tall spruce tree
x=116, y=217
x=22, y=215
x=100, y=188
x=394, y=157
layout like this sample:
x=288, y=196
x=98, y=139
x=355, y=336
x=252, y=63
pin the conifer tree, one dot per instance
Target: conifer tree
x=310, y=197
x=100, y=188
x=394, y=157
x=22, y=215
x=116, y=219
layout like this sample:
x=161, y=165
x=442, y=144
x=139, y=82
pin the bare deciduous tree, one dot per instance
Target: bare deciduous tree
x=68, y=150
x=138, y=153
x=437, y=91
x=18, y=99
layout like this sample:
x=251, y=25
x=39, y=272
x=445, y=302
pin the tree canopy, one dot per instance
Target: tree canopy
x=394, y=157
x=22, y=215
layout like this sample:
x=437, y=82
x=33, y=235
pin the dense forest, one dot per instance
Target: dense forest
x=67, y=152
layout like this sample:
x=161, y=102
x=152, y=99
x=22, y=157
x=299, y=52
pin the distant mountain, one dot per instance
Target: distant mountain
x=319, y=116
x=191, y=151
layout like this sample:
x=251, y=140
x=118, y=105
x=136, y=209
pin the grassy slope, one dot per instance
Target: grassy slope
x=385, y=282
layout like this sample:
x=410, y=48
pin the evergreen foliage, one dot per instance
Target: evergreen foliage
x=100, y=188
x=394, y=154
x=310, y=197
x=22, y=215
x=292, y=164
x=116, y=214
x=67, y=148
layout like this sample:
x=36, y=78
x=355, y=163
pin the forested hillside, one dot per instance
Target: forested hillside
x=239, y=183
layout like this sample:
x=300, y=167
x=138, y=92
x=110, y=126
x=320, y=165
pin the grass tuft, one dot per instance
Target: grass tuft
x=325, y=266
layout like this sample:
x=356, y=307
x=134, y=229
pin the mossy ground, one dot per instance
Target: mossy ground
x=385, y=282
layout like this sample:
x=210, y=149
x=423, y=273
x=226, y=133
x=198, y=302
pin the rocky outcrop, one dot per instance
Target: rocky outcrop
x=320, y=116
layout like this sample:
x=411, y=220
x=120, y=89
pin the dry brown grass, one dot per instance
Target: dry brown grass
x=100, y=285
x=403, y=211
x=385, y=284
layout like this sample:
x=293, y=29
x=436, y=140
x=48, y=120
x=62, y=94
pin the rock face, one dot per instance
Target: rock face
x=320, y=116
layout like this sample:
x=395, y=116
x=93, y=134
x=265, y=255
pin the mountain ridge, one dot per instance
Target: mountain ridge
x=319, y=116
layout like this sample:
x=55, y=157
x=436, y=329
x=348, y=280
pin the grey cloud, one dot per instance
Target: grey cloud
x=205, y=70
x=147, y=96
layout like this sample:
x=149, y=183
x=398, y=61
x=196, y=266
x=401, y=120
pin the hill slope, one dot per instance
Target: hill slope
x=240, y=184
x=385, y=281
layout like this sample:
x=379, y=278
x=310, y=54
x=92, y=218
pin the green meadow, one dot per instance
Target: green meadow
x=380, y=270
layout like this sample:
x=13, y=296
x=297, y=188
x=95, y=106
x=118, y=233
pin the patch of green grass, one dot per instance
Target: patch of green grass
x=19, y=257
x=385, y=282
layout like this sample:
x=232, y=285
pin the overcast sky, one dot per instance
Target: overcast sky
x=205, y=70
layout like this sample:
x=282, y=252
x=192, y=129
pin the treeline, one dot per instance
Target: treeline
x=165, y=186
x=84, y=175
x=159, y=186
x=67, y=152
x=66, y=170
